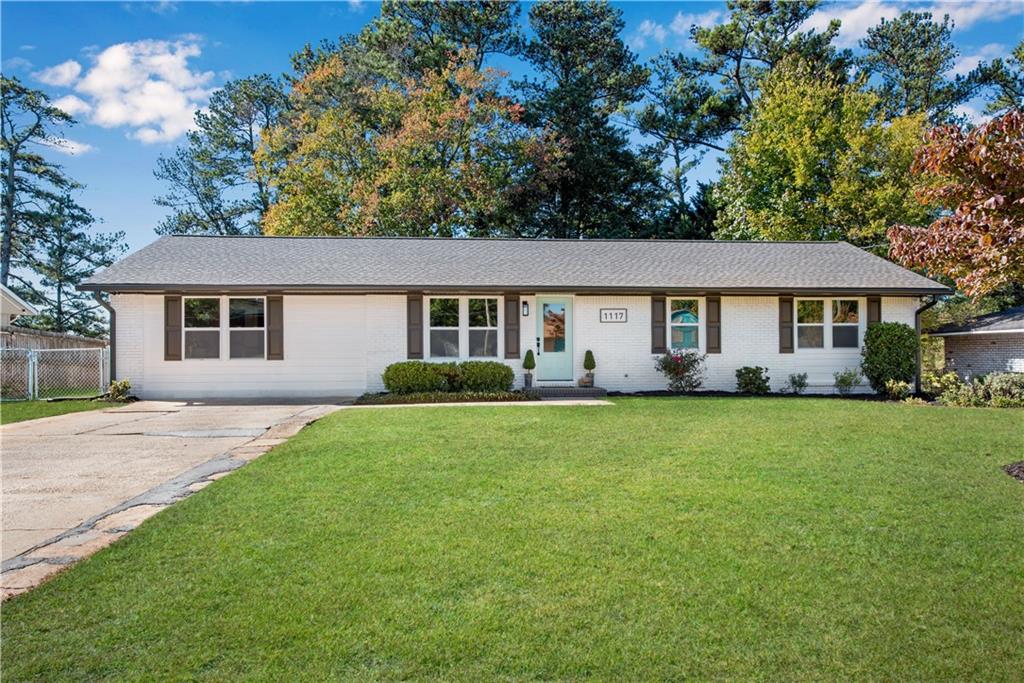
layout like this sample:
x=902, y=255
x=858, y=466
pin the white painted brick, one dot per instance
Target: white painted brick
x=979, y=354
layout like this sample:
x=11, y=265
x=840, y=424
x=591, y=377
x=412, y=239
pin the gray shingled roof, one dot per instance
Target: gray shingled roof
x=385, y=264
x=1010, y=320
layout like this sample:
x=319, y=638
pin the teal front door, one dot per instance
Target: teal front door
x=554, y=338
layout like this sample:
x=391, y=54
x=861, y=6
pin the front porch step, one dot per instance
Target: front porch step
x=570, y=392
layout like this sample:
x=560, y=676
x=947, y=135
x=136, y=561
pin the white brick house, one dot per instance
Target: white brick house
x=988, y=343
x=206, y=317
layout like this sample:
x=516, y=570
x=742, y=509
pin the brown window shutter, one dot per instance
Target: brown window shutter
x=172, y=328
x=658, y=324
x=785, y=324
x=414, y=326
x=275, y=328
x=874, y=310
x=713, y=304
x=511, y=327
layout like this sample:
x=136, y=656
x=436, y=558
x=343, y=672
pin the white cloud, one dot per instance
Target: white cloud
x=62, y=74
x=146, y=86
x=70, y=147
x=965, y=64
x=355, y=5
x=971, y=113
x=648, y=30
x=967, y=14
x=682, y=22
x=72, y=105
x=27, y=48
x=16, y=64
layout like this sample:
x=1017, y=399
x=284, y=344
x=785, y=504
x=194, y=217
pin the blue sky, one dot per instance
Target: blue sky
x=133, y=73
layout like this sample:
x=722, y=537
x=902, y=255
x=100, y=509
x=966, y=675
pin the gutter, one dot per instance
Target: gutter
x=98, y=296
x=917, y=329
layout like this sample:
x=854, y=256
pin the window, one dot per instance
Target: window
x=444, y=328
x=202, y=327
x=483, y=328
x=246, y=329
x=685, y=324
x=810, y=324
x=845, y=324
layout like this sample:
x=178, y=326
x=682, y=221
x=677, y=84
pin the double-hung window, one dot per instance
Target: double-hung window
x=483, y=328
x=810, y=323
x=444, y=328
x=202, y=327
x=845, y=324
x=246, y=331
x=685, y=324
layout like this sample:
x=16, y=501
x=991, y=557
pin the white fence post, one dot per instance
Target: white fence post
x=33, y=372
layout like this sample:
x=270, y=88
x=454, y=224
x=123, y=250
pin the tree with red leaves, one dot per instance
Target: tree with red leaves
x=977, y=178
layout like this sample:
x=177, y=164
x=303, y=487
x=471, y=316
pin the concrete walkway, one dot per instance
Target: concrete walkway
x=73, y=484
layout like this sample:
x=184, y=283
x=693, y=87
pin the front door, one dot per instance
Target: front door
x=554, y=338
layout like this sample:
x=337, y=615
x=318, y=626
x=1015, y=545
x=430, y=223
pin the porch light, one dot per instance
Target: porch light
x=526, y=309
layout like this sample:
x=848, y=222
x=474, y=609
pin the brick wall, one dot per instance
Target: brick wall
x=971, y=355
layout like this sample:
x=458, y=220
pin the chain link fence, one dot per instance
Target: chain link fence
x=53, y=373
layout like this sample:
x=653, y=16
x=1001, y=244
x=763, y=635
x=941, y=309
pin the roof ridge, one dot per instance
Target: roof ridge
x=539, y=240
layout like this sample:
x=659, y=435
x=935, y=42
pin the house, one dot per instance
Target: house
x=199, y=317
x=988, y=343
x=13, y=306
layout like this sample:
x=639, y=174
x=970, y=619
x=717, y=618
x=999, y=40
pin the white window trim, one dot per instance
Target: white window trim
x=701, y=322
x=826, y=316
x=263, y=329
x=827, y=324
x=463, y=328
x=219, y=329
x=498, y=305
x=833, y=324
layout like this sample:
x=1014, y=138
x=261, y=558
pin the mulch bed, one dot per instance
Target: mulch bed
x=1015, y=470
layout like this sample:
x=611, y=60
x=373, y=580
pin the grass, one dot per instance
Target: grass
x=653, y=539
x=18, y=411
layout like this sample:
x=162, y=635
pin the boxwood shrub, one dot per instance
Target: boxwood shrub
x=416, y=376
x=485, y=376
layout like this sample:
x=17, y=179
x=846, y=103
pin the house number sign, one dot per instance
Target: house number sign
x=613, y=315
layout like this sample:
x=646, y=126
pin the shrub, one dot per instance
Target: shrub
x=915, y=401
x=684, y=370
x=998, y=390
x=890, y=352
x=936, y=385
x=753, y=380
x=588, y=361
x=485, y=376
x=119, y=390
x=897, y=390
x=529, y=363
x=414, y=376
x=445, y=397
x=847, y=380
x=797, y=383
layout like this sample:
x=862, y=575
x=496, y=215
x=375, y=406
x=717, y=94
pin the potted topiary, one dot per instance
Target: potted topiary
x=528, y=364
x=588, y=364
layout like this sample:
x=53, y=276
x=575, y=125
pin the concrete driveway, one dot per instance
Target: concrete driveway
x=67, y=473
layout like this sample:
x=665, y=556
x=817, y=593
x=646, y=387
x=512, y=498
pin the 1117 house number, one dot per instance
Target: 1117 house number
x=613, y=315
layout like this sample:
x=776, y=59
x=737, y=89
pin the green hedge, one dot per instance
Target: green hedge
x=446, y=397
x=416, y=376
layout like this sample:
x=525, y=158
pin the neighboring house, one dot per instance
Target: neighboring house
x=988, y=343
x=13, y=306
x=204, y=317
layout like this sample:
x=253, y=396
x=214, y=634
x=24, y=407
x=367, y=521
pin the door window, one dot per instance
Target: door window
x=554, y=327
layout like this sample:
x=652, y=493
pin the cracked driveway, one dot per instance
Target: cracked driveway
x=61, y=471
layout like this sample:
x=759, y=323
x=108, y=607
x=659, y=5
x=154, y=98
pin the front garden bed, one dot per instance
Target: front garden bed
x=445, y=397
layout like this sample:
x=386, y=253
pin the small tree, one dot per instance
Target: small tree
x=890, y=353
x=529, y=362
x=588, y=361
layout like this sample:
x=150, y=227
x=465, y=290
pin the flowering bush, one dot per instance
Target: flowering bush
x=683, y=369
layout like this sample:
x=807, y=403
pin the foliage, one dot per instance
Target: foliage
x=588, y=361
x=813, y=163
x=529, y=362
x=911, y=56
x=215, y=186
x=890, y=353
x=937, y=384
x=977, y=177
x=847, y=380
x=797, y=383
x=1007, y=77
x=683, y=370
x=414, y=376
x=446, y=397
x=753, y=380
x=485, y=376
x=29, y=182
x=897, y=390
x=996, y=390
x=119, y=390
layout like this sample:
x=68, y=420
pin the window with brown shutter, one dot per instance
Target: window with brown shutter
x=658, y=324
x=511, y=326
x=172, y=328
x=275, y=328
x=414, y=326
x=785, y=324
x=713, y=306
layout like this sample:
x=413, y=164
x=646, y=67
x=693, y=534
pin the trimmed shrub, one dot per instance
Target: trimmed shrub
x=445, y=397
x=753, y=380
x=588, y=361
x=684, y=370
x=485, y=376
x=897, y=390
x=797, y=383
x=529, y=362
x=415, y=376
x=890, y=353
x=847, y=380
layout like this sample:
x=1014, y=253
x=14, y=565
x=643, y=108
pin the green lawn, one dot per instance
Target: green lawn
x=17, y=411
x=653, y=539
